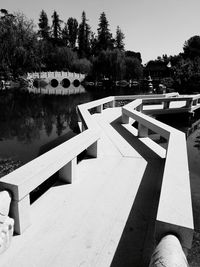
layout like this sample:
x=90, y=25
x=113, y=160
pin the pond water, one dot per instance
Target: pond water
x=33, y=123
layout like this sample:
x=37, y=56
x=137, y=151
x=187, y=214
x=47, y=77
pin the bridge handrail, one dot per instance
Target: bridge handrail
x=20, y=182
x=28, y=177
x=83, y=111
x=175, y=207
x=164, y=99
x=153, y=96
x=197, y=96
x=62, y=158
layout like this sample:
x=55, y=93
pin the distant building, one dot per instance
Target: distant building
x=157, y=69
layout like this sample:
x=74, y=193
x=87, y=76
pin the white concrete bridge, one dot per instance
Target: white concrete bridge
x=57, y=79
x=113, y=207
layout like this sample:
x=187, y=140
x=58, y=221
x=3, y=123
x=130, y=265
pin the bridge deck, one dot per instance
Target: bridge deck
x=106, y=217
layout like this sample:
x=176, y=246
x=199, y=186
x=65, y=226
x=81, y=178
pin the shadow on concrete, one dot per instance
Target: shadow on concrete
x=133, y=140
x=137, y=241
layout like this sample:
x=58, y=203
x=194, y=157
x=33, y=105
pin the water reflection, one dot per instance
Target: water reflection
x=29, y=120
x=58, y=90
x=36, y=117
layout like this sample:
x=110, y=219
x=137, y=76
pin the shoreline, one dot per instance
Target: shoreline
x=8, y=165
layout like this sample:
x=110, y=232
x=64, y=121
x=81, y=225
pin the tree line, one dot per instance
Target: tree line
x=68, y=46
x=184, y=67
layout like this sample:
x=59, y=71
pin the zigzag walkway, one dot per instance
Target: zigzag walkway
x=106, y=217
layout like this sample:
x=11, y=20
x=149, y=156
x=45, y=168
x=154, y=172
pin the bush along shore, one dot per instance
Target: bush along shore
x=8, y=165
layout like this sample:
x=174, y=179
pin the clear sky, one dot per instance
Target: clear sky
x=151, y=27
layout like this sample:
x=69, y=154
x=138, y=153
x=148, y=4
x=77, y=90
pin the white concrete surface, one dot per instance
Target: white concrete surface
x=87, y=223
x=168, y=253
x=81, y=224
x=26, y=178
x=175, y=206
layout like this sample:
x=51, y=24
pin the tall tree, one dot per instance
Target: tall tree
x=7, y=40
x=56, y=28
x=93, y=44
x=72, y=25
x=43, y=25
x=84, y=37
x=119, y=39
x=110, y=64
x=65, y=35
x=17, y=43
x=4, y=13
x=192, y=47
x=134, y=69
x=104, y=36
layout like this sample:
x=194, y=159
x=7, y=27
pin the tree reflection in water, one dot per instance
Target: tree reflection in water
x=29, y=121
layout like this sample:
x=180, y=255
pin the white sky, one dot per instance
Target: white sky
x=152, y=27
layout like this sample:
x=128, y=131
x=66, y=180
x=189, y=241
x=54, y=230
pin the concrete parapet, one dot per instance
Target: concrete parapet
x=5, y=200
x=6, y=223
x=26, y=178
x=168, y=253
x=57, y=79
x=174, y=213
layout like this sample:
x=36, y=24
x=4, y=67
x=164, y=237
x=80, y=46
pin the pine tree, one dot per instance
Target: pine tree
x=104, y=35
x=43, y=25
x=84, y=37
x=56, y=28
x=119, y=44
x=65, y=35
x=72, y=25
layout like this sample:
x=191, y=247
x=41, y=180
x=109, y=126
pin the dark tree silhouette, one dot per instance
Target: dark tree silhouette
x=104, y=36
x=56, y=28
x=84, y=37
x=192, y=47
x=65, y=35
x=43, y=25
x=72, y=25
x=119, y=39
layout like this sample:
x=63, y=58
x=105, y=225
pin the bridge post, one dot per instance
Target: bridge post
x=142, y=130
x=68, y=172
x=125, y=118
x=194, y=102
x=84, y=127
x=166, y=104
x=139, y=108
x=93, y=150
x=99, y=109
x=20, y=212
x=112, y=104
x=189, y=103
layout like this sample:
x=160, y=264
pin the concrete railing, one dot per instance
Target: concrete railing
x=25, y=179
x=187, y=103
x=21, y=182
x=149, y=96
x=196, y=100
x=168, y=253
x=175, y=208
x=52, y=74
x=84, y=116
